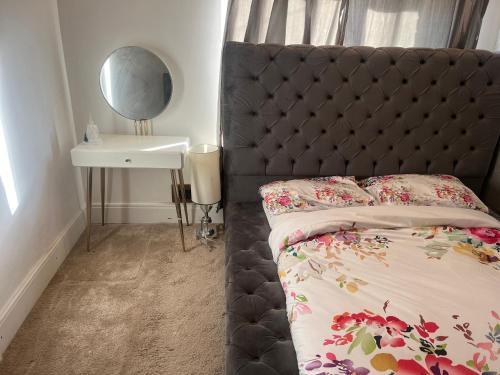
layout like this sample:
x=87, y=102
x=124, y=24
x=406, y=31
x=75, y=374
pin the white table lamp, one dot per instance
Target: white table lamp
x=205, y=183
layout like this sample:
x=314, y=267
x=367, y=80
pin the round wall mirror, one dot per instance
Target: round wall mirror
x=136, y=83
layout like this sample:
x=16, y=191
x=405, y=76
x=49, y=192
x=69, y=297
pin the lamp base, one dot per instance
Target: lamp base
x=205, y=234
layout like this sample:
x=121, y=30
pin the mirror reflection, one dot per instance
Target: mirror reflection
x=136, y=83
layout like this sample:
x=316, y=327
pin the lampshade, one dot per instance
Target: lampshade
x=205, y=175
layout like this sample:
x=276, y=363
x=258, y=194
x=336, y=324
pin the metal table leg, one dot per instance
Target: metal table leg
x=183, y=195
x=103, y=193
x=178, y=207
x=89, y=205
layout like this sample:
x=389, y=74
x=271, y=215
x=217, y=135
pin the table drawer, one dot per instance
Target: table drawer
x=127, y=159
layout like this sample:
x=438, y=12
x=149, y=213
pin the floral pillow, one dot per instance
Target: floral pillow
x=422, y=190
x=313, y=194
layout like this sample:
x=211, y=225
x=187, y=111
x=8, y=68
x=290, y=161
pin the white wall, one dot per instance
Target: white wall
x=489, y=37
x=187, y=35
x=36, y=121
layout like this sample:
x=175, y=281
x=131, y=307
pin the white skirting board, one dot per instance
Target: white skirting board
x=27, y=293
x=148, y=213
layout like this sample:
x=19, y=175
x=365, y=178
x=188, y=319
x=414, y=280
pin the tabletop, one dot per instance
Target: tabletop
x=132, y=151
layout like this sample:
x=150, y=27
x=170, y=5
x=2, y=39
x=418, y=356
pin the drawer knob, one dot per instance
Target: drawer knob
x=128, y=160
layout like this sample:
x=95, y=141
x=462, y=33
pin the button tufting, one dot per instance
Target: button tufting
x=426, y=115
x=280, y=146
x=462, y=83
x=452, y=62
x=417, y=148
x=455, y=162
x=351, y=132
x=393, y=62
x=374, y=163
x=374, y=80
x=340, y=115
x=386, y=98
x=369, y=115
x=453, y=116
x=299, y=96
x=433, y=82
x=427, y=163
x=292, y=161
x=422, y=61
x=312, y=114
x=270, y=96
x=296, y=131
x=253, y=113
x=446, y=147
x=316, y=79
x=308, y=147
x=398, y=115
x=332, y=60
x=391, y=147
x=255, y=78
x=481, y=116
x=414, y=99
x=380, y=131
x=285, y=79
x=463, y=131
x=362, y=61
x=472, y=100
x=335, y=147
x=436, y=132
x=407, y=131
x=363, y=147
x=344, y=79
x=472, y=148
x=283, y=114
x=357, y=97
x=490, y=83
x=400, y=162
x=480, y=63
x=302, y=58
x=404, y=81
x=329, y=96
x=323, y=131
x=268, y=130
x=320, y=161
x=443, y=99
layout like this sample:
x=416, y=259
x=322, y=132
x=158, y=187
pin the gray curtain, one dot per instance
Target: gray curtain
x=286, y=21
x=466, y=24
x=404, y=23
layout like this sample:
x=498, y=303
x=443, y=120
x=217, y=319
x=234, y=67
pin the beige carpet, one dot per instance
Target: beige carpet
x=136, y=304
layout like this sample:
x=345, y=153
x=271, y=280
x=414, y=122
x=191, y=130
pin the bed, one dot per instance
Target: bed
x=301, y=111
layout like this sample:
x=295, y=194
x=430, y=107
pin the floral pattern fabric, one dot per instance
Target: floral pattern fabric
x=311, y=194
x=422, y=190
x=372, y=297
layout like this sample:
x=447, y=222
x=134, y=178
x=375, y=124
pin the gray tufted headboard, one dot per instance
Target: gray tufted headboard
x=296, y=111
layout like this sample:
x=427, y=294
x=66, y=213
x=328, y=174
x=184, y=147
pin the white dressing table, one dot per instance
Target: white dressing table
x=132, y=151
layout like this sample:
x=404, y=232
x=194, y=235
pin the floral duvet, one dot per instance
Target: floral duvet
x=391, y=290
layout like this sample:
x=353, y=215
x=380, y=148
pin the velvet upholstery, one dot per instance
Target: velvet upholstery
x=298, y=111
x=258, y=337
